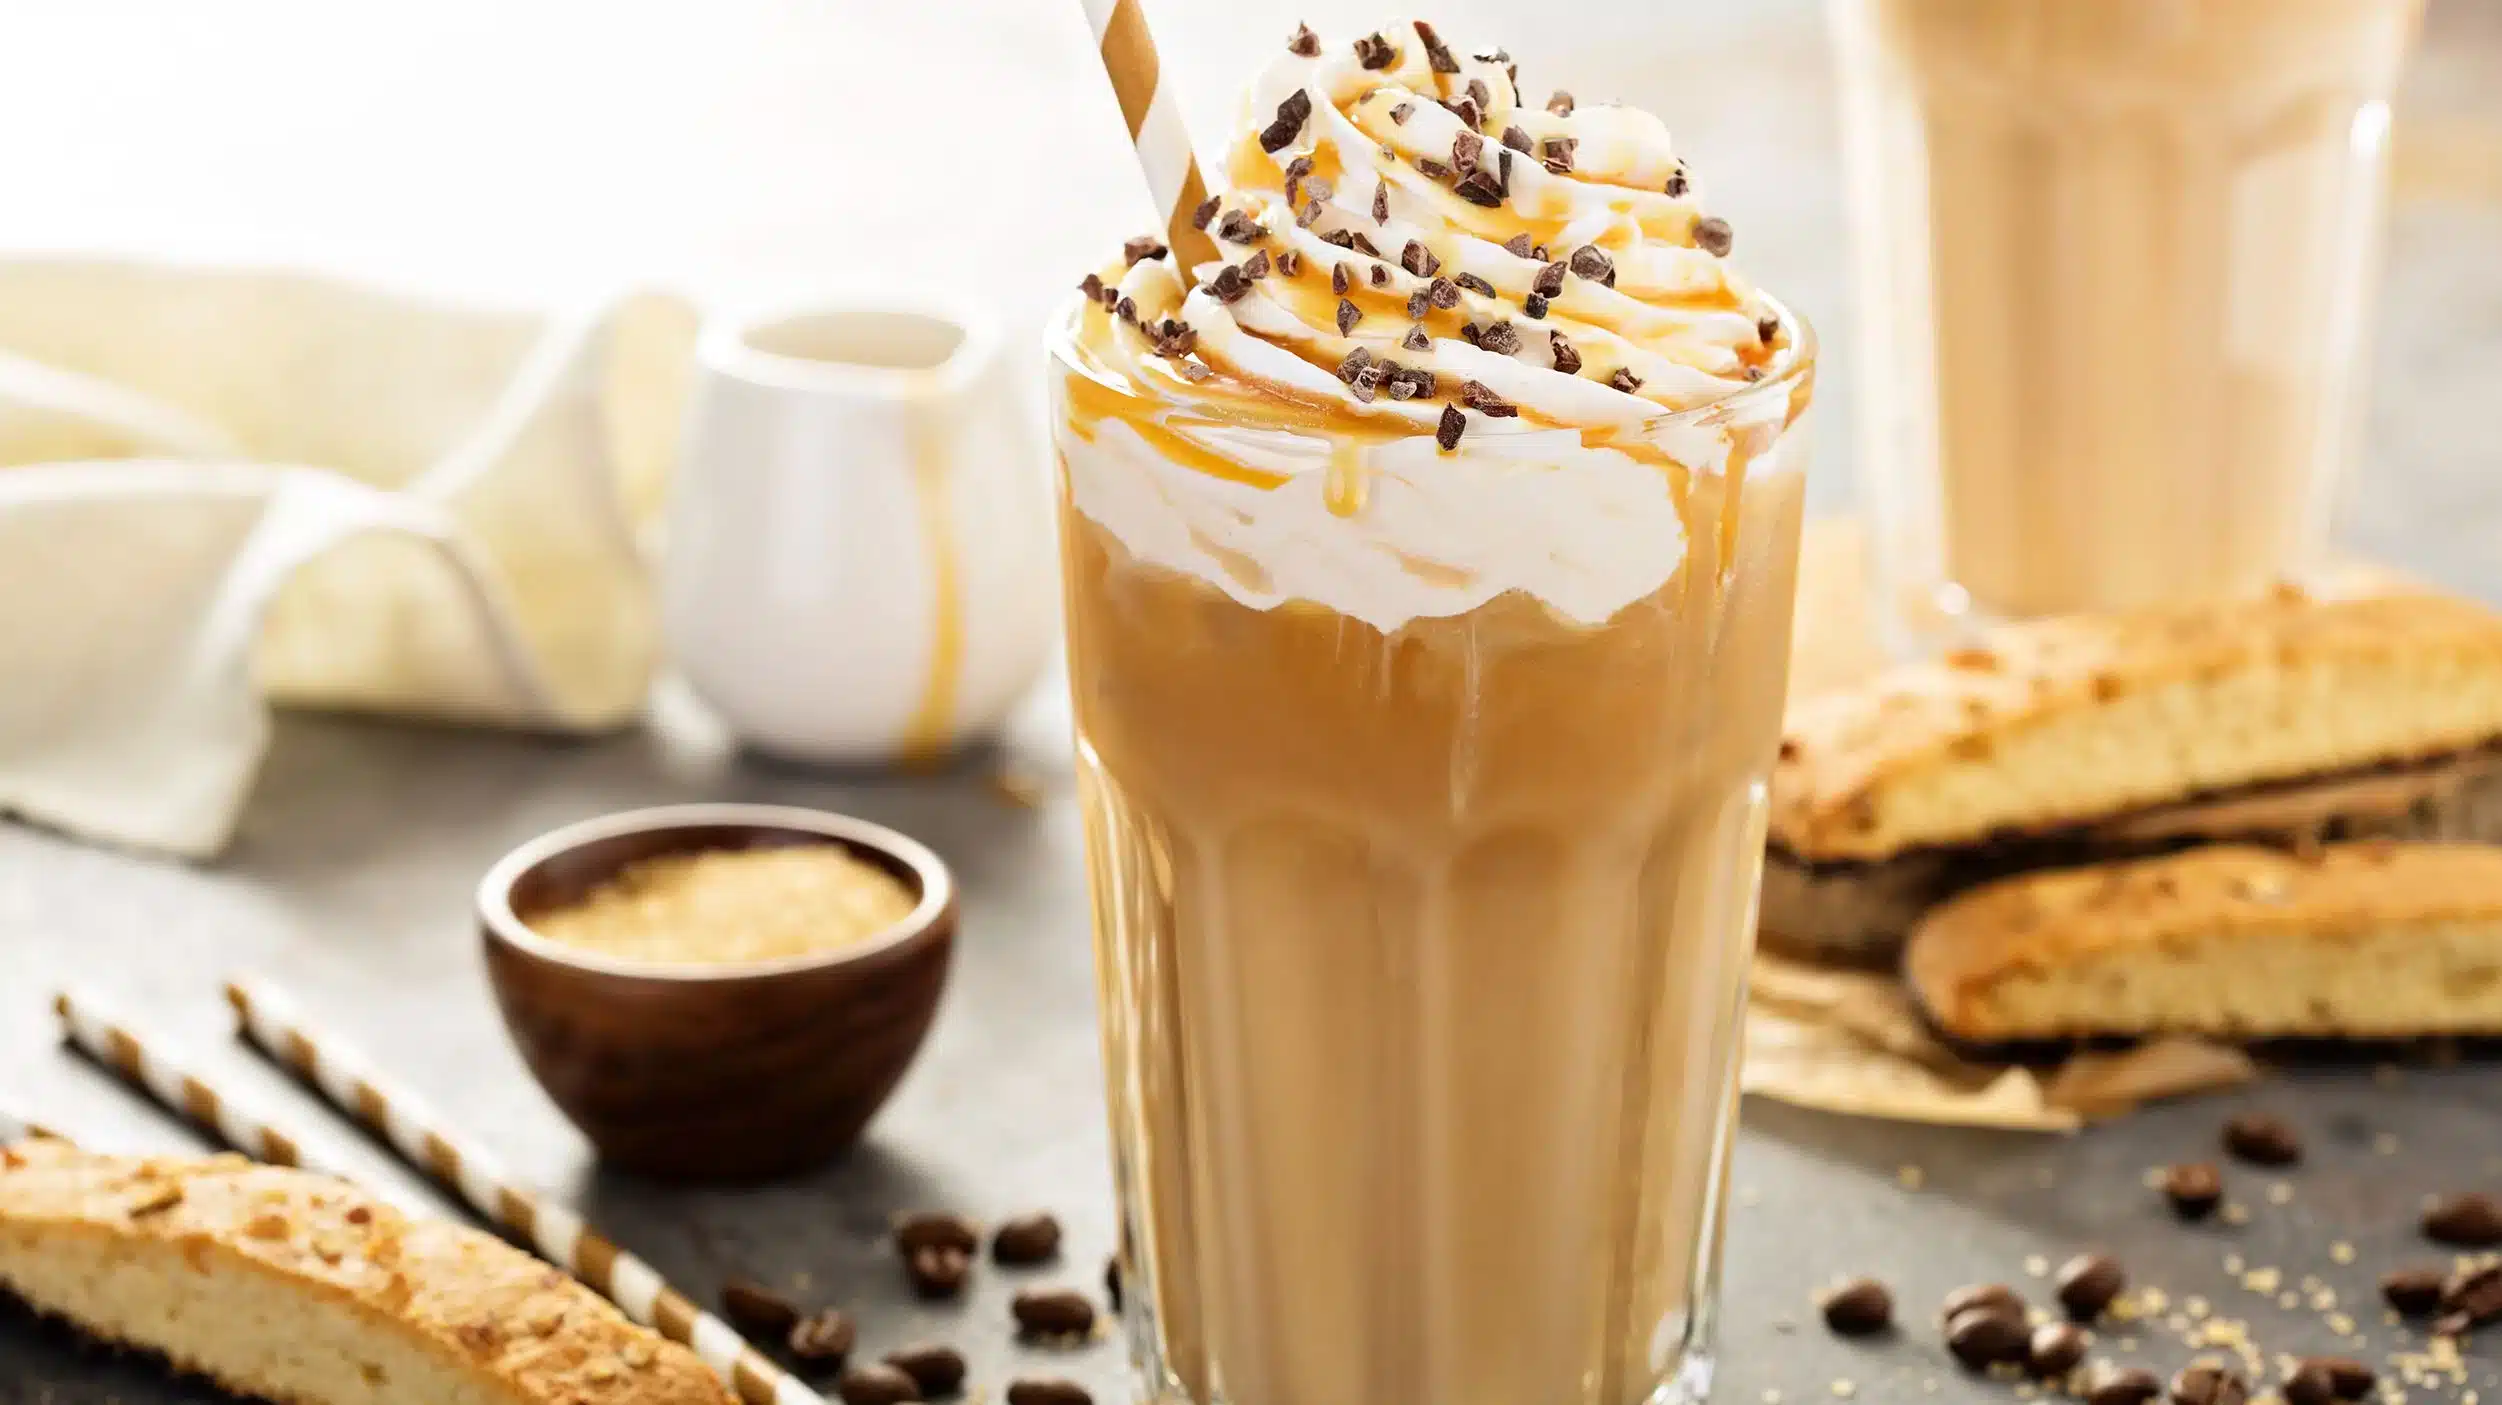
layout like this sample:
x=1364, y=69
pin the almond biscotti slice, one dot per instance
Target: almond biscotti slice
x=301, y=1289
x=2369, y=940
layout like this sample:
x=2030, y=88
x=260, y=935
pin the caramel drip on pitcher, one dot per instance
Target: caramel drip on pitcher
x=932, y=440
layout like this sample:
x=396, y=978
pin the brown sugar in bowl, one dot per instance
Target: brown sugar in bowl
x=714, y=1071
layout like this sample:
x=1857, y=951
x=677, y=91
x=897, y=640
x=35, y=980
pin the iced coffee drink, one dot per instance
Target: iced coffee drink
x=1429, y=566
x=2116, y=259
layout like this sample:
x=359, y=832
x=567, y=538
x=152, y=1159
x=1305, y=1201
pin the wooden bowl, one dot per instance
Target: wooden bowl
x=714, y=1072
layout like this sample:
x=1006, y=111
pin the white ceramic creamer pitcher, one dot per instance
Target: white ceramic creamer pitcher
x=859, y=564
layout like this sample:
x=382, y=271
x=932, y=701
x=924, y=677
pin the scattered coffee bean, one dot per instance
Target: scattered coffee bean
x=2262, y=1140
x=1053, y=1313
x=1112, y=1282
x=1997, y=1297
x=2134, y=1386
x=1982, y=1337
x=938, y=1272
x=2195, y=1188
x=757, y=1310
x=1859, y=1308
x=2348, y=1379
x=1027, y=1239
x=936, y=1370
x=2209, y=1385
x=935, y=1231
x=2056, y=1349
x=2309, y=1385
x=2470, y=1300
x=1048, y=1393
x=2411, y=1291
x=876, y=1385
x=2088, y=1283
x=824, y=1340
x=2467, y=1221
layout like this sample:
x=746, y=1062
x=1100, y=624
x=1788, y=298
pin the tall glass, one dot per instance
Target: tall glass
x=2116, y=260
x=1421, y=943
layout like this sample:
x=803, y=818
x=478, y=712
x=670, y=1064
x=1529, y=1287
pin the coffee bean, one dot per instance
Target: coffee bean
x=1048, y=1393
x=2056, y=1349
x=2262, y=1140
x=1053, y=1313
x=2470, y=1299
x=930, y=1230
x=1981, y=1337
x=936, y=1370
x=2348, y=1379
x=938, y=1272
x=2088, y=1283
x=823, y=1341
x=2310, y=1385
x=757, y=1310
x=2467, y=1221
x=1027, y=1239
x=1112, y=1282
x=2209, y=1385
x=2412, y=1291
x=876, y=1385
x=1996, y=1296
x=2195, y=1188
x=2133, y=1386
x=1859, y=1308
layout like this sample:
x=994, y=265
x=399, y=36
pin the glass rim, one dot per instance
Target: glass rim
x=1060, y=342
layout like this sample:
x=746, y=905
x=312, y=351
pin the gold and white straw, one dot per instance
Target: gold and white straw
x=1153, y=114
x=334, y=1069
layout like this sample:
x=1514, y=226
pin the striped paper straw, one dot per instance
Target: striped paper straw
x=350, y=1083
x=1154, y=117
x=107, y=1037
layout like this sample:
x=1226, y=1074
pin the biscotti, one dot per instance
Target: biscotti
x=2083, y=739
x=2365, y=940
x=296, y=1288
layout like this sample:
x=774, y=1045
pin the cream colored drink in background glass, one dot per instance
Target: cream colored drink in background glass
x=2117, y=261
x=1429, y=571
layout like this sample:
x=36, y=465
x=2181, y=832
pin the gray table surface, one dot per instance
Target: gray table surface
x=350, y=882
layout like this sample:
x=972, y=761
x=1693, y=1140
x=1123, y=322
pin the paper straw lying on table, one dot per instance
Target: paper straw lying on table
x=333, y=1068
x=1155, y=125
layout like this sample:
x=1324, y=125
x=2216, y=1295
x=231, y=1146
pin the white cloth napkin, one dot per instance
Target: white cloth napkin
x=224, y=488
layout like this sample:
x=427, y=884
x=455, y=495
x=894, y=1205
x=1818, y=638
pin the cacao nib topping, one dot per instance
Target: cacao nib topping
x=1428, y=166
x=1290, y=264
x=1339, y=237
x=1398, y=386
x=1424, y=382
x=1466, y=110
x=1503, y=168
x=1502, y=339
x=1316, y=190
x=1518, y=246
x=1437, y=53
x=1469, y=333
x=1338, y=279
x=1557, y=153
x=1714, y=236
x=1592, y=262
x=1362, y=245
x=1478, y=94
x=1417, y=303
x=1447, y=433
x=1767, y=329
x=1310, y=215
x=1145, y=246
x=1092, y=287
x=1480, y=397
x=1560, y=104
x=1196, y=370
x=1256, y=266
x=1381, y=202
x=1304, y=44
x=1356, y=361
x=1299, y=168
x=1467, y=149
x=1207, y=211
x=1380, y=275
x=1416, y=340
x=1475, y=284
x=1481, y=188
x=1348, y=315
x=1625, y=380
x=1516, y=139
x=1402, y=112
x=1126, y=309
x=1375, y=52
x=1419, y=260
x=1367, y=384
x=1550, y=281
x=1175, y=339
x=1229, y=285
x=1534, y=305
x=1678, y=185
x=1443, y=293
x=1567, y=356
x=1111, y=297
x=1291, y=115
x=1239, y=228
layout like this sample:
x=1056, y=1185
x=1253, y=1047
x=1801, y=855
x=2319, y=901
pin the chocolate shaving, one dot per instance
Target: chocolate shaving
x=1291, y=115
x=1714, y=236
x=1092, y=287
x=1437, y=53
x=1256, y=266
x=1625, y=380
x=1475, y=284
x=1338, y=279
x=1518, y=246
x=1558, y=153
x=1534, y=305
x=1466, y=110
x=1145, y=246
x=1677, y=183
x=1516, y=139
x=1481, y=188
x=1348, y=315
x=1230, y=285
x=1239, y=228
x=1362, y=245
x=1416, y=305
x=1550, y=281
x=1433, y=168
x=1502, y=339
x=1560, y=104
x=1467, y=149
x=1416, y=340
x=1207, y=211
x=1304, y=44
x=1375, y=52
x=1419, y=260
x=1402, y=112
x=1567, y=356
x=1480, y=397
x=1289, y=264
x=1447, y=433
x=1443, y=293
x=1381, y=202
x=1592, y=262
x=1380, y=275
